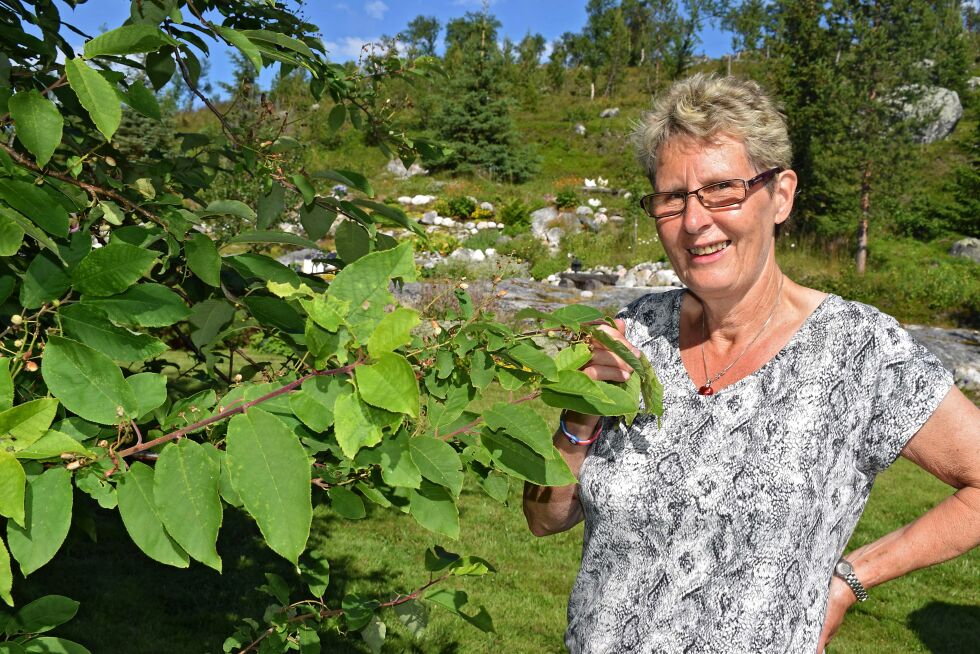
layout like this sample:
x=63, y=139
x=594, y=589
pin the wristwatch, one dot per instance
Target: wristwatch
x=845, y=571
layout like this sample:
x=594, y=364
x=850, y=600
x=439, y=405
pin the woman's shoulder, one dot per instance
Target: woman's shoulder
x=651, y=314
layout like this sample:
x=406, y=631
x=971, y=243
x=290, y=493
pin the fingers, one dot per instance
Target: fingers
x=605, y=364
x=608, y=373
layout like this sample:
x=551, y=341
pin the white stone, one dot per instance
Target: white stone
x=609, y=113
x=554, y=235
x=404, y=199
x=486, y=206
x=583, y=211
x=585, y=294
x=580, y=129
x=589, y=183
x=491, y=253
x=541, y=219
x=666, y=278
x=397, y=168
x=482, y=224
x=618, y=220
x=643, y=277
x=594, y=202
x=419, y=200
x=429, y=218
x=469, y=224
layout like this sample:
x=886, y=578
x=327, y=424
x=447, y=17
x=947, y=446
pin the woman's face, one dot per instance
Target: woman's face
x=722, y=252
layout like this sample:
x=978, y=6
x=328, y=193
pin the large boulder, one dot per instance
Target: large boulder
x=939, y=109
x=968, y=248
x=397, y=168
x=541, y=220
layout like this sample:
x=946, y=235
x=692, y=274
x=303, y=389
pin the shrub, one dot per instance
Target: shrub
x=459, y=206
x=442, y=243
x=483, y=239
x=515, y=217
x=481, y=214
x=566, y=198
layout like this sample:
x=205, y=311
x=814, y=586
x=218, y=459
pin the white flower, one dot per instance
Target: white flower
x=603, y=182
x=594, y=202
x=589, y=183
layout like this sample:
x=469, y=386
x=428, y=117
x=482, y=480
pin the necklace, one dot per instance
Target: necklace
x=706, y=388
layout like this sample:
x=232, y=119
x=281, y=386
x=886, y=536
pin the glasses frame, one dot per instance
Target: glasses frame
x=747, y=186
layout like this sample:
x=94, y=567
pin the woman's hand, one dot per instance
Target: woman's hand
x=841, y=598
x=605, y=365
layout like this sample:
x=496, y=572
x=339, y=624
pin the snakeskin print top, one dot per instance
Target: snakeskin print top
x=718, y=531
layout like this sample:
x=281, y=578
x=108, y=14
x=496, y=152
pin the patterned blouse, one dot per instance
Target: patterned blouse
x=718, y=532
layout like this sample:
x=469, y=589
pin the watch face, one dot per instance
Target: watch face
x=844, y=568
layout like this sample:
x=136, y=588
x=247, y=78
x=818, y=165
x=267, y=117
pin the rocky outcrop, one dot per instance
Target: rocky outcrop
x=968, y=248
x=939, y=109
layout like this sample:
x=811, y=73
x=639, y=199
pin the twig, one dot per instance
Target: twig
x=465, y=428
x=221, y=415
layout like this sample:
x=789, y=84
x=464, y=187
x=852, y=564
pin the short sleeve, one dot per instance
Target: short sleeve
x=909, y=385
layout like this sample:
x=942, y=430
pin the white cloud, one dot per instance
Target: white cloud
x=348, y=48
x=375, y=9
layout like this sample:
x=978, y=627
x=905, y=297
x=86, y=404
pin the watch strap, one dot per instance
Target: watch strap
x=860, y=592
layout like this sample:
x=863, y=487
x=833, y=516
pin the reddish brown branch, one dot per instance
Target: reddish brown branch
x=241, y=408
x=465, y=428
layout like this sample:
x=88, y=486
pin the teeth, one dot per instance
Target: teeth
x=710, y=248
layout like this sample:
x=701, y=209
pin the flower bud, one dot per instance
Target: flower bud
x=30, y=366
x=16, y=319
x=19, y=342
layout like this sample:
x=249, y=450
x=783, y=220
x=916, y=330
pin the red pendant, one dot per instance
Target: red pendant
x=706, y=390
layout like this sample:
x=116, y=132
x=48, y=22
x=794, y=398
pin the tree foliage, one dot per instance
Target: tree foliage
x=109, y=265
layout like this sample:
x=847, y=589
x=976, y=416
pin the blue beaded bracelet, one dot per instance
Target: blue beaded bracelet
x=575, y=440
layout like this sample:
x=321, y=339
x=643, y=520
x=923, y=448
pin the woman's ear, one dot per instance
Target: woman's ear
x=784, y=194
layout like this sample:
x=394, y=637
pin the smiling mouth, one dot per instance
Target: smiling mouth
x=709, y=249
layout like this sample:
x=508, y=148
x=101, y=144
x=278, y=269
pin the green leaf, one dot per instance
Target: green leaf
x=203, y=258
x=389, y=384
x=87, y=382
x=481, y=369
x=326, y=311
x=6, y=385
x=315, y=572
x=39, y=124
x=11, y=236
x=433, y=507
x=393, y=331
x=573, y=357
x=47, y=517
x=160, y=67
x=316, y=220
x=523, y=423
x=142, y=520
x=37, y=205
x=52, y=645
x=128, y=39
x=257, y=266
x=208, y=319
x=336, y=117
x=51, y=446
x=454, y=601
x=272, y=237
x=112, y=269
x=518, y=460
x=274, y=312
x=443, y=414
x=397, y=467
x=577, y=391
x=314, y=402
x=277, y=39
x=535, y=359
x=650, y=387
x=357, y=610
x=393, y=215
x=438, y=462
x=241, y=42
x=352, y=240
x=143, y=100
x=45, y=613
x=271, y=472
x=12, y=488
x=413, y=615
x=150, y=389
x=144, y=305
x=270, y=206
x=346, y=503
x=354, y=424
x=185, y=491
x=22, y=425
x=96, y=94
x=44, y=280
x=6, y=575
x=305, y=188
x=89, y=325
x=364, y=284
x=111, y=213
x=374, y=634
x=228, y=208
x=348, y=178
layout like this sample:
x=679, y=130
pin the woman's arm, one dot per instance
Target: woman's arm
x=553, y=509
x=948, y=446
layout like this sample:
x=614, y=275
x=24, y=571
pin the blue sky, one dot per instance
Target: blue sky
x=346, y=25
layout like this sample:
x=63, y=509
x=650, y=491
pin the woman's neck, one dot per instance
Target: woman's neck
x=738, y=320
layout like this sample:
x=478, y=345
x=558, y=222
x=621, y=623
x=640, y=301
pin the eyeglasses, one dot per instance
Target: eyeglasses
x=711, y=196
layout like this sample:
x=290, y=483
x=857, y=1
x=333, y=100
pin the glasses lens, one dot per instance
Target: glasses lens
x=665, y=204
x=723, y=194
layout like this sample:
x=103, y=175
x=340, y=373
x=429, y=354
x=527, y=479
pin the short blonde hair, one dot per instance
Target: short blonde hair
x=706, y=106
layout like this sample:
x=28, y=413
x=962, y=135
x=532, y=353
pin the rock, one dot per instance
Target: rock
x=583, y=211
x=642, y=277
x=553, y=236
x=973, y=83
x=967, y=377
x=609, y=113
x=482, y=224
x=586, y=294
x=420, y=200
x=940, y=109
x=429, y=218
x=968, y=248
x=666, y=278
x=541, y=220
x=469, y=224
x=468, y=255
x=397, y=168
x=591, y=224
x=579, y=129
x=486, y=206
x=617, y=220
x=491, y=253
x=404, y=199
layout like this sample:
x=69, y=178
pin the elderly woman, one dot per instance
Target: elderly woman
x=723, y=529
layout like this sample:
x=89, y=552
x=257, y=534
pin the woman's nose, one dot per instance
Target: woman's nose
x=695, y=217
